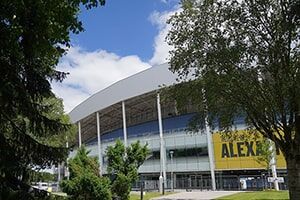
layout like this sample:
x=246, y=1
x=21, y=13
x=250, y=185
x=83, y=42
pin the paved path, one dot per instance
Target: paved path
x=196, y=195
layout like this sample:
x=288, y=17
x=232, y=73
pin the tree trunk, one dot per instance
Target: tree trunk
x=293, y=169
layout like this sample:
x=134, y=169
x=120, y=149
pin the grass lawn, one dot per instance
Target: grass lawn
x=148, y=195
x=59, y=194
x=258, y=195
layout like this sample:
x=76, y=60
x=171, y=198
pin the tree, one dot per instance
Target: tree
x=13, y=166
x=85, y=181
x=242, y=58
x=56, y=112
x=266, y=154
x=123, y=164
x=37, y=176
x=264, y=147
x=34, y=34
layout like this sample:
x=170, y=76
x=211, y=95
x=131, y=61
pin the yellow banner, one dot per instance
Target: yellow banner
x=240, y=154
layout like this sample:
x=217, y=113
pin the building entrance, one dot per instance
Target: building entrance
x=200, y=182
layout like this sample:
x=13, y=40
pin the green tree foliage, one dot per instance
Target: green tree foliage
x=34, y=34
x=123, y=164
x=38, y=176
x=121, y=186
x=242, y=58
x=85, y=181
x=56, y=112
x=266, y=153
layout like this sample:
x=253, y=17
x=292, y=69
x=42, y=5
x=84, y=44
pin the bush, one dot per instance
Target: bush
x=123, y=164
x=85, y=181
x=121, y=187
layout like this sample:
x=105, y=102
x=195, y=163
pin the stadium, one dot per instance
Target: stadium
x=132, y=109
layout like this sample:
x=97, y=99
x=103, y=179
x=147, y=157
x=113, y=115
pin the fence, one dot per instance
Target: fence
x=223, y=182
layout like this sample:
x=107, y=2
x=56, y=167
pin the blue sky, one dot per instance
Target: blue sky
x=122, y=27
x=120, y=39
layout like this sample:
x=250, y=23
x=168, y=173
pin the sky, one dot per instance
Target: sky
x=120, y=39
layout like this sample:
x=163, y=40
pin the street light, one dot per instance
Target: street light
x=172, y=181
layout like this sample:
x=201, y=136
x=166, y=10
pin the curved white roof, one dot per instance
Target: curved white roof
x=135, y=85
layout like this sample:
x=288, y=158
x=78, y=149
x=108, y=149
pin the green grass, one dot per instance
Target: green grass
x=258, y=195
x=59, y=194
x=148, y=195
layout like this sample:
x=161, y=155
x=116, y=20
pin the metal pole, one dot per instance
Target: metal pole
x=79, y=134
x=210, y=154
x=99, y=143
x=160, y=181
x=124, y=123
x=172, y=175
x=142, y=188
x=162, y=145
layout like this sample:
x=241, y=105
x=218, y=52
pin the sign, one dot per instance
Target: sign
x=240, y=153
x=272, y=179
x=280, y=179
x=239, y=149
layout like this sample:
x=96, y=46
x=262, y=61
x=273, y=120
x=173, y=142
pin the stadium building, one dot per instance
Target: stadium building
x=131, y=110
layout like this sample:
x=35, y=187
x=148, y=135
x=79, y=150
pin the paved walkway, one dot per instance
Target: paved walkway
x=197, y=195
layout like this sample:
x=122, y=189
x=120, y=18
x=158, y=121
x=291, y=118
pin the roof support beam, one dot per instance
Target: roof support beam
x=210, y=154
x=162, y=144
x=124, y=123
x=99, y=144
x=79, y=134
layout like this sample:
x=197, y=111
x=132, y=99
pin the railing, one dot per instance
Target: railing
x=223, y=182
x=166, y=132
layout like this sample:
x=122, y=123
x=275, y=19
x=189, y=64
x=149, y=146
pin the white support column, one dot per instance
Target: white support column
x=210, y=146
x=99, y=144
x=162, y=144
x=79, y=134
x=211, y=154
x=67, y=162
x=273, y=165
x=58, y=173
x=124, y=123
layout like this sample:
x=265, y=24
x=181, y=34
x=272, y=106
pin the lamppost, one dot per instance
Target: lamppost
x=172, y=181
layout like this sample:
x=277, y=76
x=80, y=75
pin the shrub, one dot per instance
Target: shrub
x=85, y=181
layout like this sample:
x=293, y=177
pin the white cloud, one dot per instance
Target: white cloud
x=71, y=96
x=161, y=48
x=168, y=1
x=91, y=72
